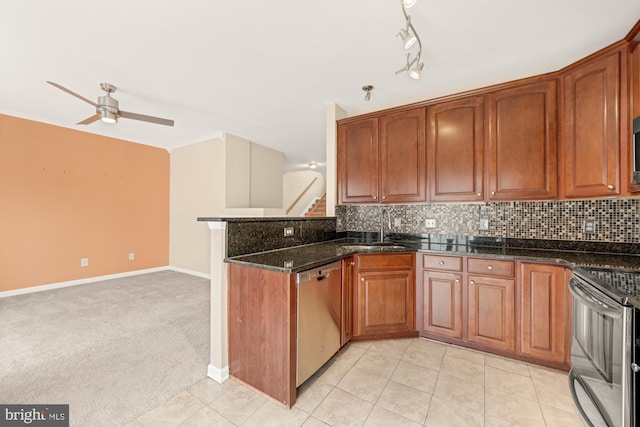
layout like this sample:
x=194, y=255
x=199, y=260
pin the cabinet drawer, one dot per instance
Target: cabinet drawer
x=437, y=262
x=491, y=267
x=375, y=261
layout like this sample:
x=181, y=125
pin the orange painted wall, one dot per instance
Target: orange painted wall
x=67, y=194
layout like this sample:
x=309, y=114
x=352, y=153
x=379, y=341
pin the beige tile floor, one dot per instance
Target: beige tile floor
x=404, y=382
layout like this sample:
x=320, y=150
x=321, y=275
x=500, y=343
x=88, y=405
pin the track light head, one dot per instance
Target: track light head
x=416, y=71
x=409, y=3
x=408, y=38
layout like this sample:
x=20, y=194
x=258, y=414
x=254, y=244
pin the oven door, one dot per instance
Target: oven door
x=600, y=354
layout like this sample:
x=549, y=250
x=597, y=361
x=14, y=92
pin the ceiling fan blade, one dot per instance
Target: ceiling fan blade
x=89, y=120
x=151, y=119
x=70, y=92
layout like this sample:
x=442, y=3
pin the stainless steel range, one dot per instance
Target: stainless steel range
x=603, y=378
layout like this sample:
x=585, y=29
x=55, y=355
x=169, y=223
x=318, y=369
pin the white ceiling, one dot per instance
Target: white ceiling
x=267, y=70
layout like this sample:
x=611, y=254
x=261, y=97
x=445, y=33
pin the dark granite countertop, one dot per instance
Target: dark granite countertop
x=304, y=257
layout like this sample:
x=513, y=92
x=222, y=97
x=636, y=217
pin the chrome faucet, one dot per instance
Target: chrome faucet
x=382, y=212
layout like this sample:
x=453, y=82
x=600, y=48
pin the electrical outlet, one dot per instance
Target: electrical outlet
x=288, y=231
x=589, y=226
x=484, y=224
x=397, y=222
x=430, y=223
x=132, y=256
x=288, y=264
x=84, y=262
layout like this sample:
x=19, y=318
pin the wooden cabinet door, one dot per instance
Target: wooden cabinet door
x=440, y=304
x=522, y=139
x=455, y=146
x=491, y=312
x=634, y=67
x=591, y=128
x=542, y=307
x=357, y=162
x=403, y=157
x=385, y=302
x=347, y=300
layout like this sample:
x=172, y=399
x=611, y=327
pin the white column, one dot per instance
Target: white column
x=334, y=112
x=219, y=361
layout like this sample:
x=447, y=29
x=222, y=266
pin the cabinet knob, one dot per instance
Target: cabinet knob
x=611, y=187
x=493, y=193
x=384, y=197
x=472, y=282
x=478, y=194
x=457, y=280
x=441, y=263
x=362, y=279
x=352, y=263
x=375, y=197
x=490, y=267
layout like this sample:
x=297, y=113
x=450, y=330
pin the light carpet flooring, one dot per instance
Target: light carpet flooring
x=112, y=350
x=393, y=383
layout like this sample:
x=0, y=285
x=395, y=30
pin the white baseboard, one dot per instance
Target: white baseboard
x=191, y=272
x=217, y=374
x=50, y=286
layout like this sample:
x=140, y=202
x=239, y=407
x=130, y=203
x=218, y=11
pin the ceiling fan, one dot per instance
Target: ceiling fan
x=107, y=108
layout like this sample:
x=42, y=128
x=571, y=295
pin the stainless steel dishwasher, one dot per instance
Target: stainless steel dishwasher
x=319, y=294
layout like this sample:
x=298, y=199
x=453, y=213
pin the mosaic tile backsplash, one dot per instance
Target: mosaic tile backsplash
x=616, y=220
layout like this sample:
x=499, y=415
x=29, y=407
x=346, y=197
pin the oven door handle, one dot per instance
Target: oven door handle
x=591, y=301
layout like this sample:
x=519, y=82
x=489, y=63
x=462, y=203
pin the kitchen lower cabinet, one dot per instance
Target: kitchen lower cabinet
x=262, y=330
x=440, y=304
x=543, y=317
x=384, y=303
x=491, y=312
x=348, y=271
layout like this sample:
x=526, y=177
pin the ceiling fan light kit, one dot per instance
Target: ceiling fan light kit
x=409, y=38
x=107, y=108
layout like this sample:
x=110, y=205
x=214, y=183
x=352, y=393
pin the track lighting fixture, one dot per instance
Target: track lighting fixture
x=409, y=37
x=367, y=89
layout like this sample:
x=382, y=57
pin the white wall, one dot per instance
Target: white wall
x=197, y=179
x=238, y=173
x=253, y=176
x=266, y=177
x=294, y=184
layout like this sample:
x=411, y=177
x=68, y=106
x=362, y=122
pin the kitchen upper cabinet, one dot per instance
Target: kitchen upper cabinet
x=403, y=157
x=634, y=68
x=591, y=128
x=455, y=146
x=385, y=298
x=348, y=272
x=383, y=159
x=543, y=318
x=358, y=171
x=522, y=142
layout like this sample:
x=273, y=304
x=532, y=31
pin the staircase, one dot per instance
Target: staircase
x=319, y=208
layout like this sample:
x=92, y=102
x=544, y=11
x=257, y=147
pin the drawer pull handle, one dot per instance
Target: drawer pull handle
x=441, y=263
x=490, y=267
